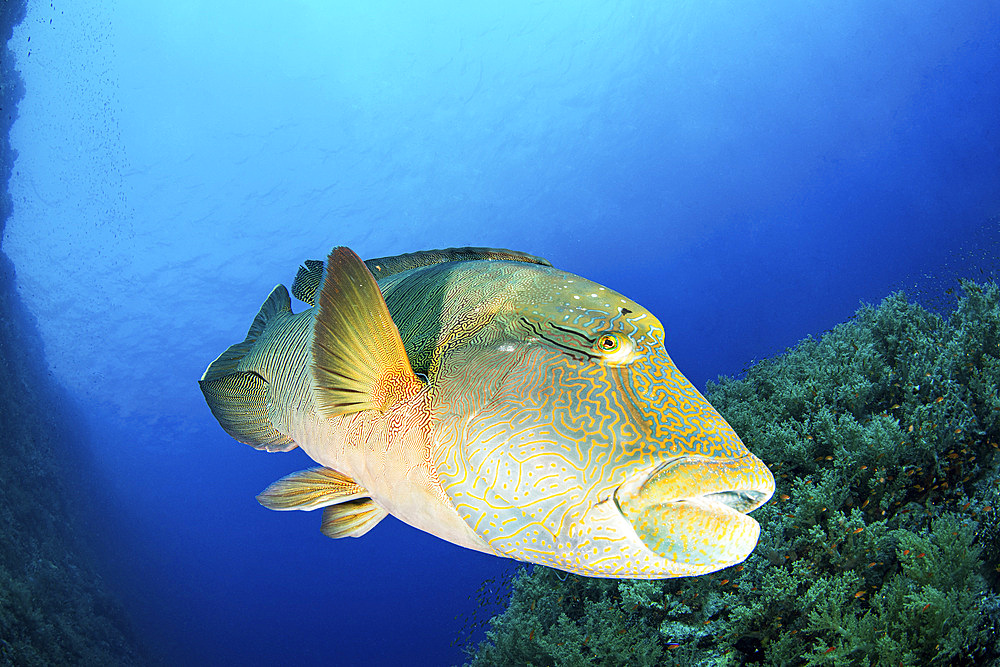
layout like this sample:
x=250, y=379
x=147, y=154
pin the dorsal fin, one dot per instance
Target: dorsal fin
x=387, y=266
x=359, y=362
x=307, y=281
x=310, y=489
x=310, y=274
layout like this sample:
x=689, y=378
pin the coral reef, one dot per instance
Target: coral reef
x=881, y=545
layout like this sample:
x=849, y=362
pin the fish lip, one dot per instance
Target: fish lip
x=757, y=489
x=691, y=511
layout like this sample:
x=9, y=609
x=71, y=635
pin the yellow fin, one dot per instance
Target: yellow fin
x=310, y=489
x=351, y=519
x=359, y=362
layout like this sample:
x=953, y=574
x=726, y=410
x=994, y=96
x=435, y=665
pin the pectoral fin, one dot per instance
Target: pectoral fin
x=311, y=489
x=359, y=362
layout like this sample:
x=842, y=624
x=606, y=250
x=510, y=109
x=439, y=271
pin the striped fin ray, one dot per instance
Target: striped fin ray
x=311, y=489
x=359, y=362
x=351, y=519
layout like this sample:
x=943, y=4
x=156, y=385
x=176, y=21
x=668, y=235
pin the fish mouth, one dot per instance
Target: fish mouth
x=692, y=510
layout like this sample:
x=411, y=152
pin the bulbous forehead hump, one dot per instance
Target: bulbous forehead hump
x=566, y=298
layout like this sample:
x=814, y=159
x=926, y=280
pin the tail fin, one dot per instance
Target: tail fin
x=239, y=397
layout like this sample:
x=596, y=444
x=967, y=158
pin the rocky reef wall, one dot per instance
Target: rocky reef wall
x=54, y=607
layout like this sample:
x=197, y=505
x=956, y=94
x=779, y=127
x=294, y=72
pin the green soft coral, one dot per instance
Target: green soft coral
x=881, y=544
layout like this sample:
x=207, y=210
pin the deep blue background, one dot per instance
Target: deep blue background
x=750, y=174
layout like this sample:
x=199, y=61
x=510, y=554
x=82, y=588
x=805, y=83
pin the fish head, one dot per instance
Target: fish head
x=587, y=449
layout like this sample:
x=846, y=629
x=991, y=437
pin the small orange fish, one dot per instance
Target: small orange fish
x=906, y=552
x=859, y=594
x=859, y=530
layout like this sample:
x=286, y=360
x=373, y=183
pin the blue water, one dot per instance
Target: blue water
x=750, y=174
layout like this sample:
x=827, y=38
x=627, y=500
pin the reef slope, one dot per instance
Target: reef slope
x=882, y=543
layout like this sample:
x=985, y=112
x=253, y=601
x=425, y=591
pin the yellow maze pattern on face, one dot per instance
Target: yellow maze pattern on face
x=545, y=450
x=563, y=433
x=684, y=423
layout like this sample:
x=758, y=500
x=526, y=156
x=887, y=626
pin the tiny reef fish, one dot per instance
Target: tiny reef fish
x=487, y=398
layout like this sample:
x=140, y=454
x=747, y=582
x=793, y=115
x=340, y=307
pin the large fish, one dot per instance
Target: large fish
x=496, y=402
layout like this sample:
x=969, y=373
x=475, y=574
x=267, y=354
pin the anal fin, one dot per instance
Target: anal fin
x=351, y=519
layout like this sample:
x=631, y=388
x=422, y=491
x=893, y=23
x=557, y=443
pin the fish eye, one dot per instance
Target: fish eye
x=613, y=346
x=609, y=343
